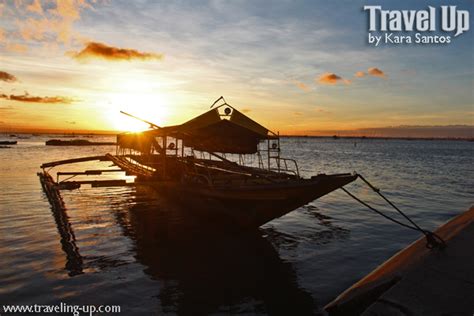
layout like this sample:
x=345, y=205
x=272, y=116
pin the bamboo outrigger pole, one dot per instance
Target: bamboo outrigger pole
x=153, y=125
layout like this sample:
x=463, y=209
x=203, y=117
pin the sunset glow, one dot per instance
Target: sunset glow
x=139, y=97
x=74, y=65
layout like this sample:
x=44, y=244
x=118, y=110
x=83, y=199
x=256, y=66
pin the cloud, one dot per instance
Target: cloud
x=35, y=29
x=110, y=53
x=360, y=74
x=376, y=72
x=303, y=86
x=35, y=7
x=34, y=99
x=5, y=76
x=17, y=48
x=332, y=79
x=45, y=22
x=322, y=110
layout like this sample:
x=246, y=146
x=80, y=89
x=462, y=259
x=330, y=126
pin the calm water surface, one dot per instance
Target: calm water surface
x=131, y=247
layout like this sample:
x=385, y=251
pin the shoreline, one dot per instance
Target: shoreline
x=335, y=137
x=380, y=137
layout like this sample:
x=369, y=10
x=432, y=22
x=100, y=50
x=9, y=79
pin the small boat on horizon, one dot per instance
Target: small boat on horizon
x=76, y=142
x=8, y=142
x=204, y=160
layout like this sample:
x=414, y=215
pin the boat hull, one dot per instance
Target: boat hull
x=254, y=205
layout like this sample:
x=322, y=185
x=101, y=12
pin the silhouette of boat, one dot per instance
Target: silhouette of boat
x=205, y=161
x=76, y=142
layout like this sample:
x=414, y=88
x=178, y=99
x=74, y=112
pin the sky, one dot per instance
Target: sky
x=297, y=67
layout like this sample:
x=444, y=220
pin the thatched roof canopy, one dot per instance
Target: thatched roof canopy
x=212, y=132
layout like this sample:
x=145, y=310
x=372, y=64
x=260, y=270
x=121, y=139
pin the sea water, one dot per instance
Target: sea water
x=128, y=246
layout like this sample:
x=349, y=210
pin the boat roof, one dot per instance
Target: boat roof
x=230, y=132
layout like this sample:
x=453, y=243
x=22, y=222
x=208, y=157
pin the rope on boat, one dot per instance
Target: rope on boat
x=432, y=239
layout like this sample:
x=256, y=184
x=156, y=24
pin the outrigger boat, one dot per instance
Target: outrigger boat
x=204, y=161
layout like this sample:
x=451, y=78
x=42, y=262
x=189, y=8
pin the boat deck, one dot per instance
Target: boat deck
x=419, y=281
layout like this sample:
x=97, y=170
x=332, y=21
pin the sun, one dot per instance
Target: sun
x=147, y=107
x=124, y=123
x=140, y=99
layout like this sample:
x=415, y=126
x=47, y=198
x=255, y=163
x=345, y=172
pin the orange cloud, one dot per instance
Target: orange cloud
x=360, y=74
x=33, y=99
x=322, y=110
x=102, y=51
x=45, y=21
x=376, y=72
x=68, y=9
x=17, y=48
x=35, y=29
x=5, y=76
x=35, y=7
x=332, y=79
x=303, y=86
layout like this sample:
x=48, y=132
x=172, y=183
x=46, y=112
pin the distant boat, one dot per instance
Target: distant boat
x=192, y=162
x=8, y=142
x=76, y=142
